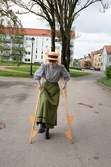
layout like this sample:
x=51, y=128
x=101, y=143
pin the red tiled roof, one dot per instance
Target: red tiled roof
x=108, y=48
x=32, y=31
x=43, y=32
x=38, y=32
x=27, y=31
x=10, y=30
x=96, y=52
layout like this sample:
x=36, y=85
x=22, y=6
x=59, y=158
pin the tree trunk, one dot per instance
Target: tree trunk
x=68, y=53
x=53, y=39
x=53, y=32
x=65, y=54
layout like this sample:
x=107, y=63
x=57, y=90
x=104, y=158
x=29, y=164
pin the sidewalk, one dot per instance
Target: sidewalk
x=88, y=102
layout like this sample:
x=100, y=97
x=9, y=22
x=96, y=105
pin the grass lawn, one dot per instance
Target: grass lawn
x=78, y=74
x=23, y=68
x=14, y=74
x=105, y=81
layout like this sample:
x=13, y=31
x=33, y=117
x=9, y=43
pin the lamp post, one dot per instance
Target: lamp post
x=32, y=40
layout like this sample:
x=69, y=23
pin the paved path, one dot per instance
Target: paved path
x=89, y=102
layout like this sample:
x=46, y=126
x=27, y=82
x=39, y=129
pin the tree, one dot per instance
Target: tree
x=17, y=50
x=7, y=15
x=11, y=44
x=66, y=12
x=63, y=12
x=75, y=62
x=11, y=31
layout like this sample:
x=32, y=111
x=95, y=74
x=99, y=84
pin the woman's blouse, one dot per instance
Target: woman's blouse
x=52, y=74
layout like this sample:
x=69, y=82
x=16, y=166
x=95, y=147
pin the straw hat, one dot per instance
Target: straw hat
x=52, y=56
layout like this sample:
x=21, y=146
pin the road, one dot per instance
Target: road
x=89, y=103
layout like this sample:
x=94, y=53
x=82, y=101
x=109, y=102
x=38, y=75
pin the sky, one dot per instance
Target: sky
x=92, y=26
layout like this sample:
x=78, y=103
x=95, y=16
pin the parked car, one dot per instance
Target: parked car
x=91, y=68
x=97, y=69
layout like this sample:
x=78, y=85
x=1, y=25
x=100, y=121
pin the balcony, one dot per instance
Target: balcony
x=6, y=47
x=6, y=40
x=17, y=48
x=21, y=41
x=5, y=54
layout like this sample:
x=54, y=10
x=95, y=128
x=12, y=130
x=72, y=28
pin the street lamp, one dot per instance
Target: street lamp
x=32, y=40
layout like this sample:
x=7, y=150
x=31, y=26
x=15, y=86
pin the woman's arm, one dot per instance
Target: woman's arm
x=65, y=74
x=39, y=73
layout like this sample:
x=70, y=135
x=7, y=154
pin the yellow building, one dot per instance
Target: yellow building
x=96, y=59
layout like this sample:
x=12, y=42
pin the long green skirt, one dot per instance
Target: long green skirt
x=49, y=101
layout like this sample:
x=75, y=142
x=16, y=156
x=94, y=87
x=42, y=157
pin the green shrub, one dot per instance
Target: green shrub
x=108, y=72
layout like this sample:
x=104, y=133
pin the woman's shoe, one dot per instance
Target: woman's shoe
x=42, y=128
x=47, y=136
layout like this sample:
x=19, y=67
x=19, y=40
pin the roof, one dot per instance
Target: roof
x=27, y=31
x=108, y=48
x=96, y=52
x=38, y=32
x=32, y=31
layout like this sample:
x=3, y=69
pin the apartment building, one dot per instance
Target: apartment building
x=36, y=49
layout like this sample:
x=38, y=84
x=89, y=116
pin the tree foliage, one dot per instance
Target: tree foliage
x=10, y=32
x=8, y=18
x=75, y=62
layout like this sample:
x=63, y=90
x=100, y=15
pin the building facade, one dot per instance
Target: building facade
x=96, y=63
x=105, y=57
x=38, y=49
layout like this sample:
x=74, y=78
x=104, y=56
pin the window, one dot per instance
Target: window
x=41, y=56
x=42, y=43
x=27, y=38
x=42, y=51
x=57, y=40
x=27, y=45
x=28, y=53
x=36, y=41
x=109, y=59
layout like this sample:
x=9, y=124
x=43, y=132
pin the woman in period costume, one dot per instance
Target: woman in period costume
x=50, y=91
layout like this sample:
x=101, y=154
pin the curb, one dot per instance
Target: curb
x=104, y=85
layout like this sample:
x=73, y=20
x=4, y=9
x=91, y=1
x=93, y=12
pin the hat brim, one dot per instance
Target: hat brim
x=48, y=58
x=52, y=56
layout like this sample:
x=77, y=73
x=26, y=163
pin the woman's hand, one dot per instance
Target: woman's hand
x=39, y=86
